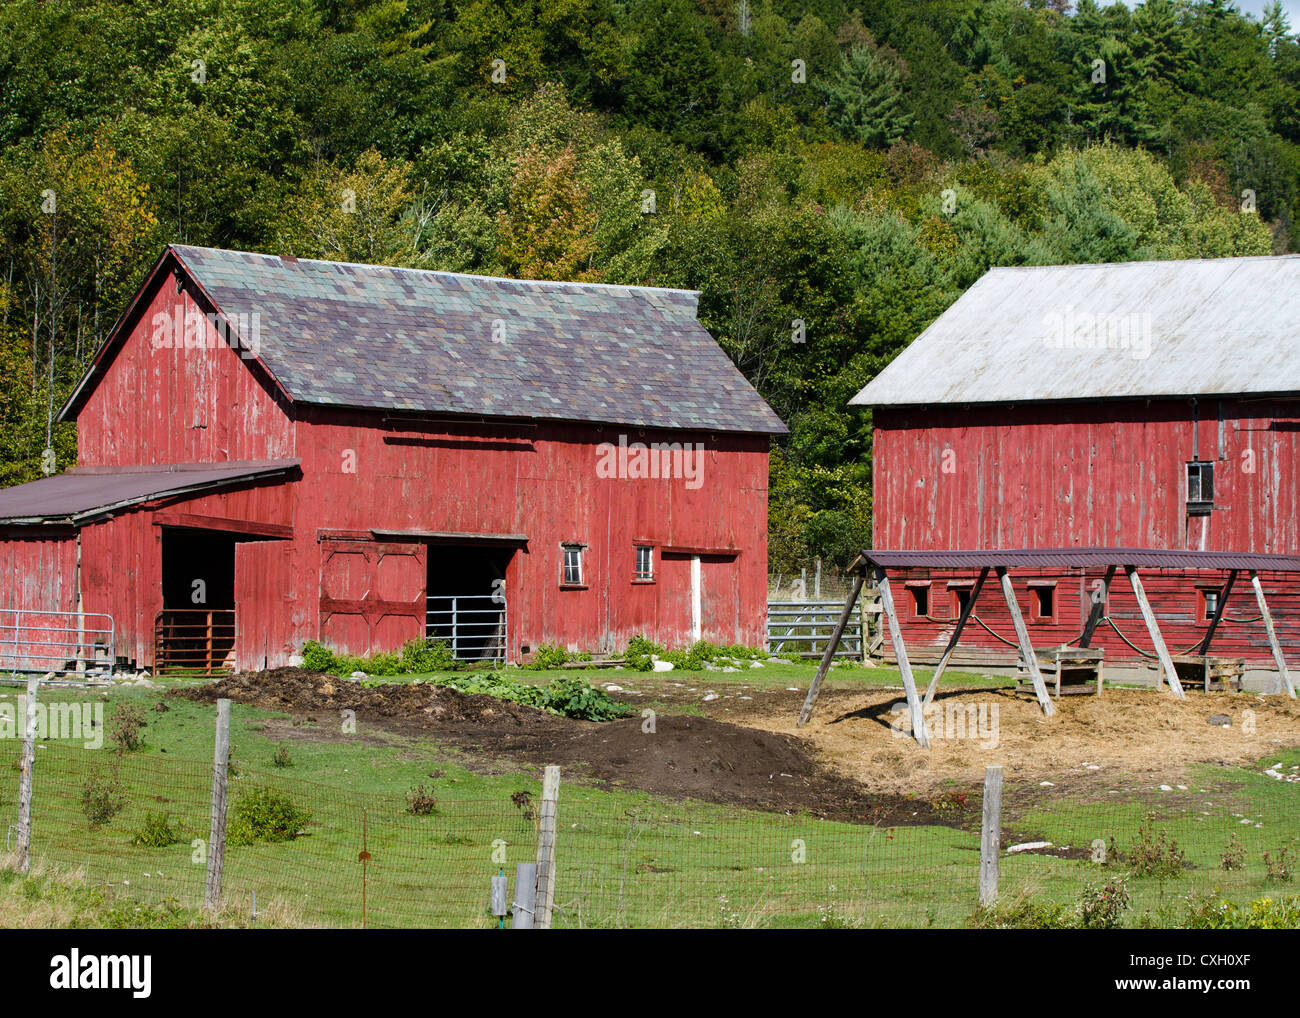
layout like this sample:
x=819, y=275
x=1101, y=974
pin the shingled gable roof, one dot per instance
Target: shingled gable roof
x=372, y=336
x=1136, y=330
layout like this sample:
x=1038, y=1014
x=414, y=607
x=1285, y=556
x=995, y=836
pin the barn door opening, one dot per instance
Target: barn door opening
x=467, y=599
x=195, y=631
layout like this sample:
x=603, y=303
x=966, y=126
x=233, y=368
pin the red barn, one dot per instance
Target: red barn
x=273, y=450
x=1140, y=405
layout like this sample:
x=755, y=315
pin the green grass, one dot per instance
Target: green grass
x=625, y=858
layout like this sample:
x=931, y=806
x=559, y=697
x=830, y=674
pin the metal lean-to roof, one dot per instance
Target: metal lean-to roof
x=1080, y=558
x=1129, y=330
x=83, y=494
x=372, y=336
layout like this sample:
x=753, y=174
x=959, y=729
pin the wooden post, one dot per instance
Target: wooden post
x=966, y=613
x=1026, y=648
x=525, y=904
x=991, y=836
x=25, y=777
x=1153, y=627
x=829, y=655
x=1283, y=676
x=217, y=826
x=904, y=666
x=1204, y=648
x=546, y=847
x=1095, y=613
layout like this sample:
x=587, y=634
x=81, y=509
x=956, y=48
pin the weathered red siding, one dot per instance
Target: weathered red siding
x=1100, y=475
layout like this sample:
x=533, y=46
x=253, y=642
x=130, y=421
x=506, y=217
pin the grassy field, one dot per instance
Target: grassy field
x=624, y=858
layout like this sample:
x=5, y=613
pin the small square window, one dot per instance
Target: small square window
x=572, y=576
x=1210, y=599
x=645, y=562
x=920, y=600
x=1044, y=603
x=1200, y=488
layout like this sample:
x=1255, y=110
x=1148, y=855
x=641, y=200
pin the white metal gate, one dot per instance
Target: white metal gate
x=473, y=626
x=34, y=640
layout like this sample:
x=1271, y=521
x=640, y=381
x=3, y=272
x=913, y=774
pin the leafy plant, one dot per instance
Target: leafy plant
x=421, y=803
x=1276, y=866
x=549, y=656
x=156, y=832
x=282, y=757
x=265, y=814
x=102, y=799
x=124, y=729
x=1234, y=856
x=1152, y=855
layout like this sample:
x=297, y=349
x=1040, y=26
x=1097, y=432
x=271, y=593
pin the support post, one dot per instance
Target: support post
x=25, y=776
x=1204, y=648
x=811, y=699
x=546, y=847
x=990, y=836
x=904, y=666
x=217, y=825
x=525, y=905
x=1097, y=611
x=1026, y=648
x=966, y=613
x=1283, y=676
x=1153, y=627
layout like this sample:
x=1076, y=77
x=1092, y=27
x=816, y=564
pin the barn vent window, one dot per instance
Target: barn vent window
x=1042, y=598
x=1200, y=488
x=1209, y=597
x=645, y=563
x=920, y=599
x=572, y=574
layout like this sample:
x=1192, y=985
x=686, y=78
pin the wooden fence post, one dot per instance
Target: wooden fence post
x=25, y=777
x=217, y=827
x=525, y=904
x=546, y=848
x=991, y=836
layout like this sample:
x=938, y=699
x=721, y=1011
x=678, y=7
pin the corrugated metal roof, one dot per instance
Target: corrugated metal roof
x=83, y=494
x=372, y=336
x=1080, y=558
x=1131, y=330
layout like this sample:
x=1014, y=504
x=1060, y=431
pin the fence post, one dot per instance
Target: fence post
x=525, y=904
x=546, y=847
x=991, y=836
x=217, y=829
x=25, y=777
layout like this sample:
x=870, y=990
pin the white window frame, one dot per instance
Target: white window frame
x=579, y=549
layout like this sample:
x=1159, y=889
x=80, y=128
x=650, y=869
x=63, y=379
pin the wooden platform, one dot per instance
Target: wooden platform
x=1070, y=670
x=1211, y=674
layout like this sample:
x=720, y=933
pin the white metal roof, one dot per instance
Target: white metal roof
x=1127, y=330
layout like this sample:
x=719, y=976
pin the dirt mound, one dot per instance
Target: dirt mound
x=297, y=691
x=691, y=757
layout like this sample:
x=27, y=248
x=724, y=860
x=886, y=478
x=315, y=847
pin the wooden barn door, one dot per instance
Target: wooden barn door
x=372, y=594
x=264, y=604
x=719, y=599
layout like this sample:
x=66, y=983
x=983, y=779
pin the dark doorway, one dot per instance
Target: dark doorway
x=467, y=599
x=196, y=629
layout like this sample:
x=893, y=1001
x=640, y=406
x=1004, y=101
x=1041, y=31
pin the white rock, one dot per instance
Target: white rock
x=296, y=661
x=1028, y=846
x=730, y=669
x=359, y=675
x=1045, y=784
x=611, y=688
x=1166, y=788
x=711, y=696
x=662, y=666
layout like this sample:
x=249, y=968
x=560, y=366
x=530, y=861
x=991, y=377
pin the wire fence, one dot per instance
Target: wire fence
x=138, y=824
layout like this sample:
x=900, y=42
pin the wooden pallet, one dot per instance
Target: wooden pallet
x=1070, y=670
x=1212, y=674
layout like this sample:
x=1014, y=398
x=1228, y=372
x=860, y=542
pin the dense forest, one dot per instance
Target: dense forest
x=830, y=175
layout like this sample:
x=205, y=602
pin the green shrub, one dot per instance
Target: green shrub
x=124, y=730
x=637, y=655
x=1276, y=866
x=575, y=698
x=1151, y=855
x=264, y=814
x=1100, y=907
x=282, y=757
x=549, y=656
x=1211, y=912
x=101, y=799
x=156, y=832
x=317, y=657
x=416, y=656
x=1234, y=856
